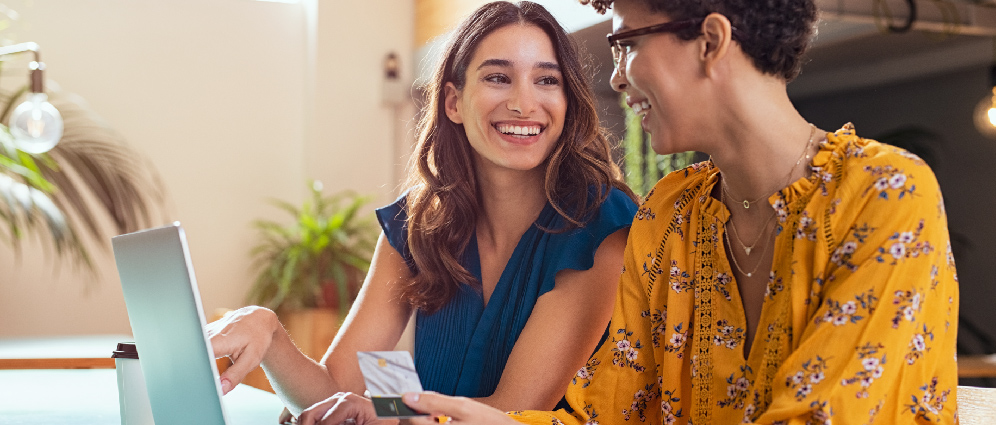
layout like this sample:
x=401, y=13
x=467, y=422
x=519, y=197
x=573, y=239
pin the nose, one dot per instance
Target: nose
x=522, y=99
x=618, y=80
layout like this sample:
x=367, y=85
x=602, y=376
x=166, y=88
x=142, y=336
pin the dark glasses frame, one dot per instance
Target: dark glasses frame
x=667, y=27
x=673, y=26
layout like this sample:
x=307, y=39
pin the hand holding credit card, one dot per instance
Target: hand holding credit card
x=388, y=375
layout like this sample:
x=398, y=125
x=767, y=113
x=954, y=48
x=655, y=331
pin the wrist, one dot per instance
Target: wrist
x=273, y=329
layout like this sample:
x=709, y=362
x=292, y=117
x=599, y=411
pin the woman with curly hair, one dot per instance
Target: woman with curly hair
x=798, y=276
x=507, y=246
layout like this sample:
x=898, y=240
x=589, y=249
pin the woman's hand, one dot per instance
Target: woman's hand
x=458, y=410
x=243, y=335
x=343, y=408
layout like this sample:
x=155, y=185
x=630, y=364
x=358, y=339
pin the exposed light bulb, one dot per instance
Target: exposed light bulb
x=36, y=125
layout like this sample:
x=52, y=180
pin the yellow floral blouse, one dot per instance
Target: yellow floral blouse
x=858, y=324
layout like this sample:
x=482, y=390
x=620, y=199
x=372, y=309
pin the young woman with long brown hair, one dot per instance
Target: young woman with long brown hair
x=507, y=245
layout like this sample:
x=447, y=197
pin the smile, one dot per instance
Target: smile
x=640, y=107
x=518, y=130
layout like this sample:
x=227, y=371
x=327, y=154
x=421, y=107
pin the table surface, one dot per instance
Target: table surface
x=88, y=346
x=64, y=352
x=90, y=397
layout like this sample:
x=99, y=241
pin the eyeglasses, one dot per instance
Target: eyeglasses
x=620, y=51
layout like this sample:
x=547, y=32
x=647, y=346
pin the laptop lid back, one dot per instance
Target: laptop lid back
x=167, y=321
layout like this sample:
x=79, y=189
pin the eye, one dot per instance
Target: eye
x=548, y=81
x=497, y=79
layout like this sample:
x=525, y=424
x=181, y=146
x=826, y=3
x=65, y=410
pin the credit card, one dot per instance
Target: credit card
x=388, y=375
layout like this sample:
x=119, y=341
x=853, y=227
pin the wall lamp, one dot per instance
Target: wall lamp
x=985, y=111
x=35, y=124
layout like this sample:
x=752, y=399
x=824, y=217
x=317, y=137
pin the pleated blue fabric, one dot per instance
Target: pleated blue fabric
x=462, y=348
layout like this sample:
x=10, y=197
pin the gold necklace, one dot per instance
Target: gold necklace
x=737, y=265
x=788, y=178
x=736, y=234
x=733, y=255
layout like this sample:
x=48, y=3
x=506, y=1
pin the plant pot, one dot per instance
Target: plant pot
x=330, y=289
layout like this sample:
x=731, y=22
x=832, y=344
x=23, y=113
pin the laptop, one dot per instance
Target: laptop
x=167, y=322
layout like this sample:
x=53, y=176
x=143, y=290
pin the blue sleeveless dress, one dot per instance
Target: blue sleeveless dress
x=462, y=349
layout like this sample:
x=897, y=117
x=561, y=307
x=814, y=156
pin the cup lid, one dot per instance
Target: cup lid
x=126, y=350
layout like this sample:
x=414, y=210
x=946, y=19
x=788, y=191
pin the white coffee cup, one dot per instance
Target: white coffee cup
x=133, y=396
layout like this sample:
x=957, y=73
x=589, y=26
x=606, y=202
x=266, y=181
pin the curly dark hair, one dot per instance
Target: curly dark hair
x=773, y=33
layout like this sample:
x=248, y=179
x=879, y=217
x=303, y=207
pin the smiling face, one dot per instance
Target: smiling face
x=513, y=104
x=661, y=77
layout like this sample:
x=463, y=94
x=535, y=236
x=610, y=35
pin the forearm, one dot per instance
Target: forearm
x=375, y=323
x=297, y=379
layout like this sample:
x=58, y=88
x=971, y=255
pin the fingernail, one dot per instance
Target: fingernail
x=411, y=397
x=226, y=385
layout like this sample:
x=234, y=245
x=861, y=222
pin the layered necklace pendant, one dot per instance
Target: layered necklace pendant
x=765, y=234
x=762, y=237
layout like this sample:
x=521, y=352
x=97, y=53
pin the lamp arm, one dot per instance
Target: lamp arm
x=37, y=67
x=21, y=48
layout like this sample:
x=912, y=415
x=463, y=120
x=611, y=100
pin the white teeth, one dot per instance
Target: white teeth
x=518, y=130
x=641, y=107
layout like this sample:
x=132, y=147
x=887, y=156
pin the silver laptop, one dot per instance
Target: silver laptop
x=167, y=322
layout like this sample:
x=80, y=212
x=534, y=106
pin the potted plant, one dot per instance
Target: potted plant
x=91, y=175
x=310, y=271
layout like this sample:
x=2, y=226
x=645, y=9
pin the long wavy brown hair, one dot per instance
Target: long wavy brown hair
x=444, y=198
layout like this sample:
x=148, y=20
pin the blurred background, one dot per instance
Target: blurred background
x=228, y=105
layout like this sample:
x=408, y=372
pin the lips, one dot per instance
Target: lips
x=519, y=130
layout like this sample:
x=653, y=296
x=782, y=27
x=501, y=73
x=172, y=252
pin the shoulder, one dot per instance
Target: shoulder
x=879, y=186
x=604, y=207
x=393, y=220
x=576, y=249
x=617, y=205
x=395, y=212
x=615, y=212
x=874, y=172
x=677, y=188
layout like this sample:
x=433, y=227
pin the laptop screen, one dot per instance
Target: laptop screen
x=167, y=321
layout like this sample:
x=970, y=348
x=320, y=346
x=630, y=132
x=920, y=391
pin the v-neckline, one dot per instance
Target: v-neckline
x=478, y=272
x=476, y=265
x=719, y=212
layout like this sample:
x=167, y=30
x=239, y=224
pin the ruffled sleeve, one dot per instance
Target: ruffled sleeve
x=393, y=220
x=575, y=249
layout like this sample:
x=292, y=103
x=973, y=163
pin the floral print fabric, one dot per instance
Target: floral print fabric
x=858, y=324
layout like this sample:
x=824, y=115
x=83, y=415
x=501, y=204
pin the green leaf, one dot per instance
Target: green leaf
x=89, y=177
x=329, y=241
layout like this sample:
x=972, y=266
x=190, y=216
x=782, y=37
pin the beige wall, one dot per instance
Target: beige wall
x=234, y=101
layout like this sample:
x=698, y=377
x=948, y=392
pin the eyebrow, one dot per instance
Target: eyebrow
x=504, y=63
x=548, y=65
